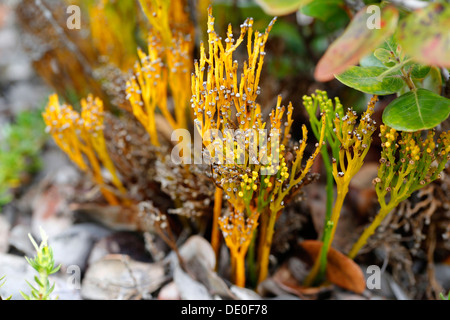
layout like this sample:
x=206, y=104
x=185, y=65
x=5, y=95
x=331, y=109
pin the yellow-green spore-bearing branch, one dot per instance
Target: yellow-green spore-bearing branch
x=419, y=162
x=355, y=140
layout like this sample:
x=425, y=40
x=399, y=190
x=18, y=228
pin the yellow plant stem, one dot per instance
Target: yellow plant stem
x=335, y=215
x=109, y=196
x=266, y=246
x=151, y=129
x=215, y=234
x=262, y=237
x=238, y=268
x=384, y=211
x=99, y=145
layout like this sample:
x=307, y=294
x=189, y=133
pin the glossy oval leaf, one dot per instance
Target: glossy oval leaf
x=322, y=9
x=425, y=35
x=366, y=79
x=416, y=110
x=383, y=55
x=358, y=40
x=419, y=71
x=433, y=81
x=371, y=61
x=281, y=7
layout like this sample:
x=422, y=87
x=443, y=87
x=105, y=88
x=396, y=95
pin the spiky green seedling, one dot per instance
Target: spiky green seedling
x=2, y=282
x=44, y=264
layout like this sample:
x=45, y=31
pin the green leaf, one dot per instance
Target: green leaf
x=385, y=56
x=38, y=281
x=365, y=79
x=35, y=295
x=33, y=289
x=389, y=44
x=281, y=7
x=424, y=35
x=416, y=110
x=290, y=35
x=35, y=245
x=25, y=296
x=322, y=9
x=50, y=289
x=56, y=269
x=419, y=71
x=357, y=41
x=433, y=81
x=371, y=61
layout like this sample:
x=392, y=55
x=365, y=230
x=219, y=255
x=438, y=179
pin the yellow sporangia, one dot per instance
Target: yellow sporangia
x=81, y=138
x=165, y=70
x=254, y=168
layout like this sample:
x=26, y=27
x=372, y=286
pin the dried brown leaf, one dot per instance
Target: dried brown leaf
x=341, y=270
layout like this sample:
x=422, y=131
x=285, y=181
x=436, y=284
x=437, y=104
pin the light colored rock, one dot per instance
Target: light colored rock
x=270, y=288
x=442, y=274
x=198, y=247
x=19, y=71
x=199, y=261
x=4, y=234
x=16, y=271
x=244, y=293
x=66, y=287
x=117, y=277
x=73, y=246
x=19, y=239
x=189, y=288
x=386, y=291
x=58, y=168
x=169, y=292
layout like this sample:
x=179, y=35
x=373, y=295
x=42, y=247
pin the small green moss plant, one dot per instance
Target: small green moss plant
x=44, y=264
x=2, y=282
x=20, y=144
